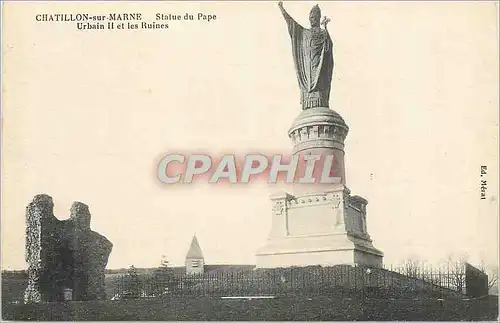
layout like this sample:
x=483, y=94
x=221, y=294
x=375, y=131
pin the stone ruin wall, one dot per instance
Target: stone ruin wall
x=63, y=254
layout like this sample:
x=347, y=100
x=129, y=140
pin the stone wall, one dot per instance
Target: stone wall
x=63, y=254
x=476, y=282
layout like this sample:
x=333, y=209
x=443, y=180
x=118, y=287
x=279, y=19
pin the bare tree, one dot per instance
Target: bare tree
x=164, y=278
x=432, y=276
x=456, y=273
x=411, y=268
x=131, y=284
x=416, y=269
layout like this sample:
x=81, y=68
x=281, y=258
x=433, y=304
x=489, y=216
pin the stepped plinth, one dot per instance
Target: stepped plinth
x=319, y=224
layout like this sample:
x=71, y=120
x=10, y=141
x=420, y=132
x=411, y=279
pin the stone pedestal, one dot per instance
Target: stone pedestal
x=319, y=224
x=320, y=132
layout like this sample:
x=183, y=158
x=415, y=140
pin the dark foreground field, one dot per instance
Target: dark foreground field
x=282, y=309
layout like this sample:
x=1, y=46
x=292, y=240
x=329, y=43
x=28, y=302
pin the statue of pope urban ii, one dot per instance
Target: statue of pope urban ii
x=312, y=51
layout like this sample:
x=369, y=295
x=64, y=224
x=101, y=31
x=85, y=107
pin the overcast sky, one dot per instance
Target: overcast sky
x=87, y=116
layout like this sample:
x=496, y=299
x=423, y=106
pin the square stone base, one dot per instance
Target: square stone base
x=323, y=228
x=324, y=250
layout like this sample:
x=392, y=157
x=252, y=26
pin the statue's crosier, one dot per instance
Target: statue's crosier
x=313, y=58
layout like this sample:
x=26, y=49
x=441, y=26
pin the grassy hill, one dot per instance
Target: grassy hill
x=289, y=308
x=300, y=294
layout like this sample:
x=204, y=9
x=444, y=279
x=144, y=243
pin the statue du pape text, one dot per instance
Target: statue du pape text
x=312, y=51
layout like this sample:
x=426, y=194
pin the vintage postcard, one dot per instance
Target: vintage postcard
x=250, y=161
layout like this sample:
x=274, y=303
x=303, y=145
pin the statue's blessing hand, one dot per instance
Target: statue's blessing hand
x=325, y=21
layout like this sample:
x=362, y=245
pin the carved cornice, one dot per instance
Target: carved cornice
x=319, y=127
x=335, y=199
x=318, y=116
x=325, y=132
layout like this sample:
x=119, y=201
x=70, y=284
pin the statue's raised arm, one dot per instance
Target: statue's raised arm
x=292, y=24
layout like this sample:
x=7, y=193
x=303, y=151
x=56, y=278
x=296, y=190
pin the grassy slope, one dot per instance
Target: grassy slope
x=283, y=309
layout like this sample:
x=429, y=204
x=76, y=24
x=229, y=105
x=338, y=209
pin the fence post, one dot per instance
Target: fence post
x=441, y=282
x=343, y=280
x=431, y=280
x=322, y=281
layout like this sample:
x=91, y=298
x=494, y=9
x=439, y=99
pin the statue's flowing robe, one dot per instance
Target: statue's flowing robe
x=313, y=59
